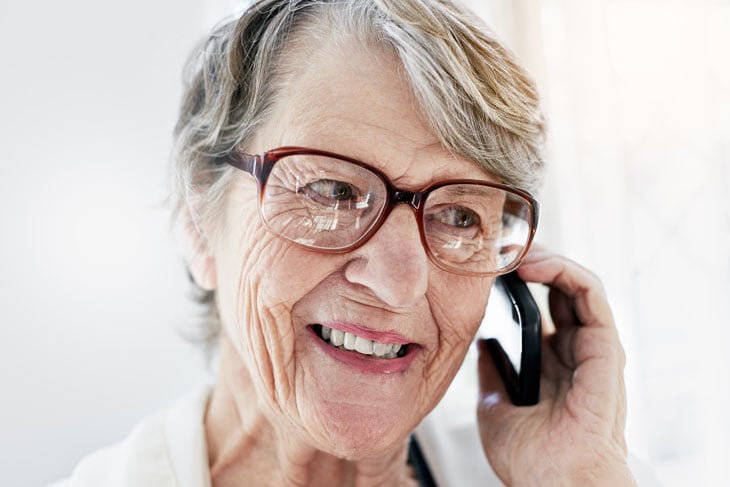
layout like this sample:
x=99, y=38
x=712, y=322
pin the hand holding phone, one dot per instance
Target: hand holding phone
x=575, y=433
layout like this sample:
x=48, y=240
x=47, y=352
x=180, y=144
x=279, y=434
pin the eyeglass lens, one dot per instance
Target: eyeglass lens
x=330, y=204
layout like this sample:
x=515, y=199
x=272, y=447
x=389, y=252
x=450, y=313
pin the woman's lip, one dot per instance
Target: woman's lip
x=368, y=363
x=387, y=336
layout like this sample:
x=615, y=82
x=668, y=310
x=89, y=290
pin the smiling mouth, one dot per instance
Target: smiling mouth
x=353, y=343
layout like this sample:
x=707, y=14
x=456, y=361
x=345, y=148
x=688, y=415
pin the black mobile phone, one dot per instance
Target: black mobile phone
x=513, y=330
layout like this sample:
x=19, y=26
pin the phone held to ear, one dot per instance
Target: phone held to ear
x=513, y=331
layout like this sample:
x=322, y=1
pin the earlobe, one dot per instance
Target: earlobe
x=198, y=253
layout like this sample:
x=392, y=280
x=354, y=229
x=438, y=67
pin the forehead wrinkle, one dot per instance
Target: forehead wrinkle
x=338, y=111
x=352, y=137
x=358, y=136
x=317, y=91
x=375, y=119
x=339, y=134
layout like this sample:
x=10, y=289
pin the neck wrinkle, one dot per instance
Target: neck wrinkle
x=229, y=435
x=306, y=466
x=391, y=470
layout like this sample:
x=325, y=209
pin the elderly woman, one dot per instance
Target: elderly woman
x=353, y=175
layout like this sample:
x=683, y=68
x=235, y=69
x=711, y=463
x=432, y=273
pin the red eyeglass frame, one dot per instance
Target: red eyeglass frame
x=260, y=166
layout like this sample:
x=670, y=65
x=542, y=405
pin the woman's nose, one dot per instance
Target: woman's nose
x=393, y=264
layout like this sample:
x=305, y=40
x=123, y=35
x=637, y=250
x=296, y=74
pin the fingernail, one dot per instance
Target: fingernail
x=537, y=255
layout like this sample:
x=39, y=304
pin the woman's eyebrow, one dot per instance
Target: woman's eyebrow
x=473, y=190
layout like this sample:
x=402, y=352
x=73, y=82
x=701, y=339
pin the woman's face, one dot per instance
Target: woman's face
x=272, y=293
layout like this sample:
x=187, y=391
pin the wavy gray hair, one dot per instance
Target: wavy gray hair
x=479, y=102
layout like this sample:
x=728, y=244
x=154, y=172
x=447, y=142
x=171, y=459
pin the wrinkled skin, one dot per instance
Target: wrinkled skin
x=285, y=413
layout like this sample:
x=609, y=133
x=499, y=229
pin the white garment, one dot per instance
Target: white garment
x=165, y=450
x=169, y=450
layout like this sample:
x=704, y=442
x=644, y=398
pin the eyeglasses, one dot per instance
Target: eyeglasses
x=332, y=203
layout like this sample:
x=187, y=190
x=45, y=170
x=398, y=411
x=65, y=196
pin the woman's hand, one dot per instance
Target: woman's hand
x=575, y=434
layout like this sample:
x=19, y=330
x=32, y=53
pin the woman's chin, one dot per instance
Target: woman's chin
x=356, y=407
x=362, y=432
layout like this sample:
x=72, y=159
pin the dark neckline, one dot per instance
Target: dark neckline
x=418, y=462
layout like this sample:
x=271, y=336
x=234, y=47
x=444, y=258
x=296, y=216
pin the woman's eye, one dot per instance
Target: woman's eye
x=331, y=190
x=457, y=216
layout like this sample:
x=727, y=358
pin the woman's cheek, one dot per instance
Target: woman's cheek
x=273, y=276
x=256, y=317
x=458, y=306
x=238, y=278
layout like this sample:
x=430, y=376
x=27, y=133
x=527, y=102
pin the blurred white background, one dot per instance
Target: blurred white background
x=93, y=289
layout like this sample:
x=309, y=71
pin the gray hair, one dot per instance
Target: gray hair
x=479, y=102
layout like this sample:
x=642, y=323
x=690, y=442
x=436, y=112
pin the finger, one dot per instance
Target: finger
x=593, y=350
x=562, y=343
x=561, y=308
x=563, y=340
x=576, y=297
x=596, y=386
x=582, y=287
x=619, y=426
x=556, y=375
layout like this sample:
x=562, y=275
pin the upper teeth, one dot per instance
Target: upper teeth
x=349, y=341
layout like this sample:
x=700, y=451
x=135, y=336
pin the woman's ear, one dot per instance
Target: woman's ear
x=198, y=252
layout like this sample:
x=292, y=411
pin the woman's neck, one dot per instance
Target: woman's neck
x=245, y=447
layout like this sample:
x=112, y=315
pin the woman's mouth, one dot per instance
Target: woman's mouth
x=350, y=342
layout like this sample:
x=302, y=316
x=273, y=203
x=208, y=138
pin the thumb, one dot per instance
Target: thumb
x=492, y=391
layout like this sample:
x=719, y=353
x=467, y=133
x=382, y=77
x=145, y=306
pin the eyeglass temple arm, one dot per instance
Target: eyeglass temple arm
x=245, y=162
